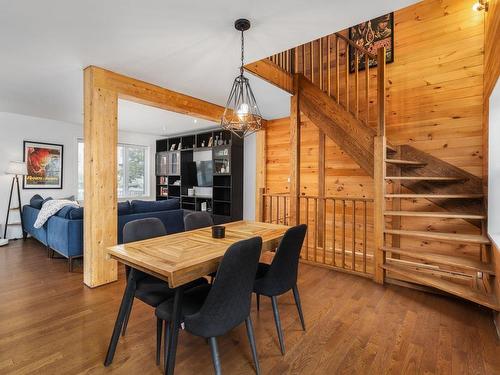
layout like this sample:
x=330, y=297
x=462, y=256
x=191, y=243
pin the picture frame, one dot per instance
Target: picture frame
x=44, y=163
x=371, y=35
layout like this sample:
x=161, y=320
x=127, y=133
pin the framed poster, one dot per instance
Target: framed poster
x=371, y=35
x=44, y=162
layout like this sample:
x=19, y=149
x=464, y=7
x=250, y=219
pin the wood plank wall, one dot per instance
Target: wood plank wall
x=491, y=74
x=434, y=103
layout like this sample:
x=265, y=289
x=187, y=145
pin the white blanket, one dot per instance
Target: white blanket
x=50, y=208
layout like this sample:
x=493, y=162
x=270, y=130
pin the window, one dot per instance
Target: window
x=132, y=165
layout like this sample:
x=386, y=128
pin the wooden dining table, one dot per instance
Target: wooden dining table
x=179, y=259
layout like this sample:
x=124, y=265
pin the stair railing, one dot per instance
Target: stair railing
x=355, y=78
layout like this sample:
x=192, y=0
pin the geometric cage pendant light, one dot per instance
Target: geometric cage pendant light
x=241, y=115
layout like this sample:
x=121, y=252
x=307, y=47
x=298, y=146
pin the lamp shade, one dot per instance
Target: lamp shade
x=17, y=167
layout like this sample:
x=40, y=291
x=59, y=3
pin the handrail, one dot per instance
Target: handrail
x=354, y=45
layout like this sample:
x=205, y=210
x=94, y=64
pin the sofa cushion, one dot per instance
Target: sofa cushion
x=75, y=213
x=64, y=212
x=154, y=206
x=36, y=201
x=124, y=208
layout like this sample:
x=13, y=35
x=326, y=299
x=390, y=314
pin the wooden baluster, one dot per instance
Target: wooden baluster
x=337, y=69
x=356, y=82
x=271, y=209
x=343, y=233
x=328, y=68
x=367, y=85
x=334, y=222
x=320, y=62
x=324, y=230
x=285, y=221
x=315, y=229
x=311, y=58
x=296, y=60
x=304, y=59
x=277, y=209
x=353, y=259
x=347, y=68
x=381, y=91
x=307, y=233
x=364, y=236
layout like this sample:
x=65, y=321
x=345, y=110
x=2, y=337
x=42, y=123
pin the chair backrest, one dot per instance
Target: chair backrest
x=228, y=302
x=196, y=220
x=143, y=229
x=282, y=274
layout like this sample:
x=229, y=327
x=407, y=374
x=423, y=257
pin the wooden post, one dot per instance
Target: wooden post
x=100, y=183
x=381, y=91
x=321, y=190
x=295, y=153
x=260, y=174
x=379, y=207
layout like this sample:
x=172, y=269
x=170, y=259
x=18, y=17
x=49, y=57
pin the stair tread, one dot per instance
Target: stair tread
x=447, y=215
x=488, y=300
x=421, y=178
x=448, y=260
x=405, y=162
x=455, y=237
x=436, y=196
x=390, y=148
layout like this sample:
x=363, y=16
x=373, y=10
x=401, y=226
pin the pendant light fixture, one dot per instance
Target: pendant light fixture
x=241, y=115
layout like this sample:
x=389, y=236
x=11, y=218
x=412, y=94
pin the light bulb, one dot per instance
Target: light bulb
x=243, y=110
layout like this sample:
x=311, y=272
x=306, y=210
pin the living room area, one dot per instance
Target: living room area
x=278, y=187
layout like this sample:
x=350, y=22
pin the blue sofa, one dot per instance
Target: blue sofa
x=63, y=232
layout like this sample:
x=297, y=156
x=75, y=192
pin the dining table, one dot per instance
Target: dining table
x=179, y=259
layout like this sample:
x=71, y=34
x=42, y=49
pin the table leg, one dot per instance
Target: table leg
x=127, y=299
x=176, y=322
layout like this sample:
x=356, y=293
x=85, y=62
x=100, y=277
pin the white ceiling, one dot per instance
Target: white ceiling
x=188, y=46
x=134, y=117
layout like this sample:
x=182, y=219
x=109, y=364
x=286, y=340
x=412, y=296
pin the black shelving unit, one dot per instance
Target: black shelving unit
x=173, y=158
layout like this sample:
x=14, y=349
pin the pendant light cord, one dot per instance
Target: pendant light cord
x=242, y=52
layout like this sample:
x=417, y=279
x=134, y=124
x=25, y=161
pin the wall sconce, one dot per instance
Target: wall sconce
x=480, y=5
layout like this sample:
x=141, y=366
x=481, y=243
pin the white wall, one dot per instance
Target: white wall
x=494, y=165
x=249, y=175
x=14, y=129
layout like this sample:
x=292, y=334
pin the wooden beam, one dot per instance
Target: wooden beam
x=349, y=133
x=102, y=89
x=260, y=174
x=272, y=73
x=100, y=184
x=148, y=94
x=295, y=155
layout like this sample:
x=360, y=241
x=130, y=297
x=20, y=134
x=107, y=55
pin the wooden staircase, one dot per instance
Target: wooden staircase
x=407, y=246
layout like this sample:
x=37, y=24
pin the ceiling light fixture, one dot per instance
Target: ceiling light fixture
x=241, y=115
x=480, y=5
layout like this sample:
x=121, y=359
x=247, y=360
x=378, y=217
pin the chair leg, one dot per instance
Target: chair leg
x=258, y=302
x=251, y=338
x=159, y=329
x=49, y=252
x=215, y=355
x=70, y=264
x=277, y=321
x=166, y=340
x=125, y=323
x=296, y=296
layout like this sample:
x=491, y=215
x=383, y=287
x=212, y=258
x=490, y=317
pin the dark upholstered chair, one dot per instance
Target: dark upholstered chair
x=149, y=289
x=197, y=220
x=212, y=310
x=281, y=275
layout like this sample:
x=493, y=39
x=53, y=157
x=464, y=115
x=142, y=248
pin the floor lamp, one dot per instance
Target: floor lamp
x=15, y=168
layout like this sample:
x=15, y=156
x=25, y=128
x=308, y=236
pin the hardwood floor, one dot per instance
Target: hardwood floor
x=50, y=323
